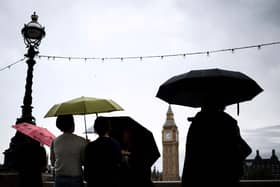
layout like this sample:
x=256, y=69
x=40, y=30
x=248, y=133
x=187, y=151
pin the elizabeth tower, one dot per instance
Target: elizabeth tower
x=170, y=156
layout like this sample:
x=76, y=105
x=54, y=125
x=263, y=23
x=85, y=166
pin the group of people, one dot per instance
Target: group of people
x=215, y=152
x=101, y=163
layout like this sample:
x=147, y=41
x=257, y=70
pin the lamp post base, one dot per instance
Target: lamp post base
x=15, y=143
x=10, y=154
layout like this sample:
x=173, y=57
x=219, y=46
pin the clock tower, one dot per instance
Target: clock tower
x=170, y=156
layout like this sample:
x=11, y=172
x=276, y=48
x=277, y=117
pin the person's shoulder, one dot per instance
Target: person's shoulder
x=104, y=141
x=76, y=139
x=111, y=140
x=115, y=141
x=93, y=143
x=82, y=139
x=58, y=138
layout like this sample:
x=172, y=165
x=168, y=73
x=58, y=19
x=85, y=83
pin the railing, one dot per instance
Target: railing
x=244, y=183
x=10, y=180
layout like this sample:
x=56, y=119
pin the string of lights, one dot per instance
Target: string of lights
x=207, y=52
x=12, y=64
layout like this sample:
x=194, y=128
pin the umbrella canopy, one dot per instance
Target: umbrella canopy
x=40, y=134
x=142, y=146
x=209, y=86
x=83, y=105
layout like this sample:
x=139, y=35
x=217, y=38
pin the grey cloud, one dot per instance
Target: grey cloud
x=271, y=12
x=274, y=129
x=239, y=19
x=264, y=139
x=88, y=28
x=269, y=134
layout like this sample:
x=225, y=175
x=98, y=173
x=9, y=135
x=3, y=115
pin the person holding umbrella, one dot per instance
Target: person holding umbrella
x=67, y=154
x=139, y=151
x=215, y=150
x=103, y=157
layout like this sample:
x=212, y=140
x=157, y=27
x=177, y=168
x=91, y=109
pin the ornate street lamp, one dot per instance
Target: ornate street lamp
x=32, y=33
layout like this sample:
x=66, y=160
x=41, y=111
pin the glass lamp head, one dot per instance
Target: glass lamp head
x=33, y=32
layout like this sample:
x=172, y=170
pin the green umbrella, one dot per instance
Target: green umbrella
x=82, y=106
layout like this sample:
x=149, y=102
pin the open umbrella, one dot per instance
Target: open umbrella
x=209, y=86
x=143, y=146
x=82, y=106
x=140, y=150
x=40, y=134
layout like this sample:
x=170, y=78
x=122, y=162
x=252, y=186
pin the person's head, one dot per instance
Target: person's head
x=102, y=126
x=65, y=123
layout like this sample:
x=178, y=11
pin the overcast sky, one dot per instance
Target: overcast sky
x=111, y=28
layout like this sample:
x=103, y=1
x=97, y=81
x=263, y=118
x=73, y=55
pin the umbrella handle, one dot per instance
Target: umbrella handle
x=238, y=109
x=85, y=126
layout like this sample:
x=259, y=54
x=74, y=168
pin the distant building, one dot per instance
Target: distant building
x=170, y=143
x=262, y=169
x=156, y=175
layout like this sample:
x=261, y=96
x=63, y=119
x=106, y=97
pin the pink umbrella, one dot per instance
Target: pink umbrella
x=40, y=134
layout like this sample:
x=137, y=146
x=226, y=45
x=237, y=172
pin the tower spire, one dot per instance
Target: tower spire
x=169, y=118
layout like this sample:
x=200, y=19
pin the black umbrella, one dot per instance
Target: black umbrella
x=209, y=86
x=142, y=145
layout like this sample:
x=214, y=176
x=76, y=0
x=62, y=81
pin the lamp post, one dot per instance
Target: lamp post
x=32, y=33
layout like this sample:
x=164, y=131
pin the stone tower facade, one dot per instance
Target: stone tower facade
x=170, y=143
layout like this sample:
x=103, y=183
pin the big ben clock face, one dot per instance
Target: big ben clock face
x=168, y=136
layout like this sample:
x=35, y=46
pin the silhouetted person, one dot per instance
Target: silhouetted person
x=67, y=154
x=31, y=161
x=136, y=165
x=103, y=157
x=215, y=150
